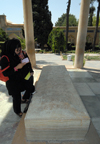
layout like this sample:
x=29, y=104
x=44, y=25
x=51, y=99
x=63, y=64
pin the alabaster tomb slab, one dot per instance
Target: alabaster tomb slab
x=56, y=111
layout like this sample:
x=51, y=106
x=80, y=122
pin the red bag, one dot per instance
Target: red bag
x=2, y=77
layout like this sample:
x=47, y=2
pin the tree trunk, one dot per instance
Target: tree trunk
x=97, y=21
x=67, y=22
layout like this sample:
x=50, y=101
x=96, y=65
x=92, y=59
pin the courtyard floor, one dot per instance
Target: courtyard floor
x=86, y=82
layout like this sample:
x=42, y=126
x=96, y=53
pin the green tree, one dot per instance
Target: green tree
x=22, y=42
x=94, y=21
x=56, y=40
x=72, y=20
x=67, y=21
x=91, y=12
x=99, y=40
x=62, y=20
x=97, y=22
x=3, y=35
x=42, y=21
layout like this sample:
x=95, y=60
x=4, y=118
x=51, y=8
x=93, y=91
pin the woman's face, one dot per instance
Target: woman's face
x=18, y=50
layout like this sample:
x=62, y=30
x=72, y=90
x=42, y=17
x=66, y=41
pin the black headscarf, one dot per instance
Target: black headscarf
x=9, y=50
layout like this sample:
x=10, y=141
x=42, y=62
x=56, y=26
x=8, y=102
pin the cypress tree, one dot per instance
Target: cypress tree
x=42, y=21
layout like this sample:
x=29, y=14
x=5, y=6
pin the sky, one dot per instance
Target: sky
x=13, y=9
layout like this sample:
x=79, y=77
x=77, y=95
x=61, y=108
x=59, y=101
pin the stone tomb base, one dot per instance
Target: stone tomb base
x=56, y=111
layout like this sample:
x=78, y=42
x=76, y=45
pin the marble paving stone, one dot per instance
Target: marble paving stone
x=8, y=122
x=68, y=143
x=8, y=113
x=37, y=73
x=77, y=73
x=83, y=89
x=7, y=131
x=98, y=96
x=96, y=123
x=56, y=111
x=83, y=80
x=76, y=142
x=3, y=89
x=92, y=105
x=76, y=70
x=95, y=74
x=97, y=79
x=4, y=96
x=93, y=65
x=6, y=141
x=95, y=87
x=2, y=83
x=82, y=143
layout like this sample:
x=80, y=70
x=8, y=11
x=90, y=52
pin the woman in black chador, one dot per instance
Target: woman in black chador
x=20, y=73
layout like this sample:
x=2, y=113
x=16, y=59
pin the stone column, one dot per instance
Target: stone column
x=29, y=33
x=82, y=32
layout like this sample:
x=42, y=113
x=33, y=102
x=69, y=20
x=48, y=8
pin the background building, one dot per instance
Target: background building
x=72, y=34
x=16, y=29
x=10, y=28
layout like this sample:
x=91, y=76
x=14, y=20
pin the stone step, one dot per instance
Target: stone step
x=56, y=111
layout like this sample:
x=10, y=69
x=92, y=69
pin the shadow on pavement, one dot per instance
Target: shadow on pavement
x=44, y=62
x=8, y=119
x=91, y=69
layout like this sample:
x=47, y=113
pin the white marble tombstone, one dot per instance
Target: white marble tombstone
x=56, y=111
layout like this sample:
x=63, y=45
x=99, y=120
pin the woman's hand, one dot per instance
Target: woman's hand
x=20, y=65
